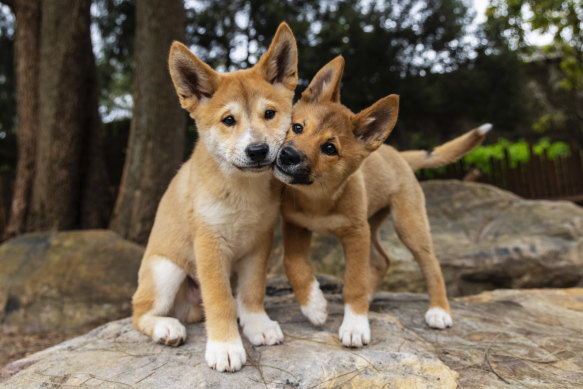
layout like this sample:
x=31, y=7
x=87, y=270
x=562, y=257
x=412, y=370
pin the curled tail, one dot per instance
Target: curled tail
x=447, y=152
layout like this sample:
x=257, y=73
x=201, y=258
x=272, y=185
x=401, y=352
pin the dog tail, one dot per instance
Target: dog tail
x=447, y=152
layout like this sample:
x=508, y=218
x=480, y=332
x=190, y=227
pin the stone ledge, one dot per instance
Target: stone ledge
x=502, y=338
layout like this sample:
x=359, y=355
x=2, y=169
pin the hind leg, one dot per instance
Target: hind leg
x=408, y=210
x=379, y=259
x=188, y=304
x=153, y=302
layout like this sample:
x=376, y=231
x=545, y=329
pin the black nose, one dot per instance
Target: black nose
x=289, y=156
x=257, y=153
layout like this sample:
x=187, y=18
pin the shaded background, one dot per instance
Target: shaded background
x=91, y=131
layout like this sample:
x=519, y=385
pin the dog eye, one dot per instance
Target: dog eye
x=229, y=121
x=329, y=149
x=269, y=114
x=297, y=128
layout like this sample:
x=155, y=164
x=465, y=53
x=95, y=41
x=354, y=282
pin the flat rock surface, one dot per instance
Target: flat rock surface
x=500, y=339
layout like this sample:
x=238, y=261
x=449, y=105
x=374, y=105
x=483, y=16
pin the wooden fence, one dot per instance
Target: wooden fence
x=539, y=178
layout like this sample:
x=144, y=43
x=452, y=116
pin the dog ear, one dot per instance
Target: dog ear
x=193, y=79
x=373, y=125
x=279, y=65
x=325, y=86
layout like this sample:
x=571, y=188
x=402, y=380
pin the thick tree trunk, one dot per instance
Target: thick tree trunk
x=67, y=165
x=156, y=142
x=28, y=19
x=96, y=199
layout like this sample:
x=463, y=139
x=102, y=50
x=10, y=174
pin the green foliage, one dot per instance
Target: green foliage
x=562, y=19
x=547, y=121
x=517, y=152
x=114, y=21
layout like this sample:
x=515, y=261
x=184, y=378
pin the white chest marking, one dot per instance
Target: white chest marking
x=240, y=219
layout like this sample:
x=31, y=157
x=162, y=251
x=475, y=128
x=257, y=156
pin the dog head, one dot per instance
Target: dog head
x=327, y=142
x=242, y=117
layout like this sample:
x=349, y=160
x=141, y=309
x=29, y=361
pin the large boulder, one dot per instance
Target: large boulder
x=507, y=338
x=67, y=279
x=484, y=237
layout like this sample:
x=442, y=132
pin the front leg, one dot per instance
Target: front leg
x=355, y=329
x=251, y=273
x=224, y=348
x=296, y=246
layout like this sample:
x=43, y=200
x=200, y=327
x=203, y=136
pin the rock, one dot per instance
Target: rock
x=487, y=238
x=67, y=279
x=507, y=338
x=484, y=237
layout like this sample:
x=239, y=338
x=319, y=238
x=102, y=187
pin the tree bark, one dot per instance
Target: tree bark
x=96, y=199
x=67, y=165
x=157, y=130
x=28, y=20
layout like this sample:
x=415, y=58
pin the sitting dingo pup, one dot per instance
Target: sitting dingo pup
x=218, y=214
x=342, y=180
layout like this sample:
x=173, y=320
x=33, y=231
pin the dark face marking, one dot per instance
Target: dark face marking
x=332, y=120
x=244, y=95
x=299, y=172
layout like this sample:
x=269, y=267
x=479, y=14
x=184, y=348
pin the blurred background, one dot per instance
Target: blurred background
x=91, y=131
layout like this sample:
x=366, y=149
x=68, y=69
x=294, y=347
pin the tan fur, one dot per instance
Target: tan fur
x=444, y=154
x=218, y=213
x=349, y=194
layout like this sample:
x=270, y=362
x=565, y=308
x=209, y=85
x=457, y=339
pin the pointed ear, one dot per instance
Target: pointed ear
x=373, y=125
x=279, y=65
x=325, y=85
x=193, y=79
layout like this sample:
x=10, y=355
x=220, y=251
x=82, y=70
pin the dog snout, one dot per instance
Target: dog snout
x=288, y=156
x=257, y=152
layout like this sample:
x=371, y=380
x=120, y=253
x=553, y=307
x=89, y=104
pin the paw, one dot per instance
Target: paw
x=355, y=330
x=438, y=318
x=225, y=356
x=316, y=309
x=260, y=330
x=169, y=331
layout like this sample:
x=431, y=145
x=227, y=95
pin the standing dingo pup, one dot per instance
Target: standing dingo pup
x=342, y=180
x=218, y=214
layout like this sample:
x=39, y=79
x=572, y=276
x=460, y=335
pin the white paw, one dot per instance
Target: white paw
x=170, y=331
x=315, y=310
x=438, y=318
x=355, y=330
x=260, y=330
x=225, y=356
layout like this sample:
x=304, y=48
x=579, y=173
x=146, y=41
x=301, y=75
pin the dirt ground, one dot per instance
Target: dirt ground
x=17, y=342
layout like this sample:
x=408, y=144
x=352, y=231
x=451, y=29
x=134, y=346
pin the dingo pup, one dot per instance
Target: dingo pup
x=217, y=216
x=342, y=180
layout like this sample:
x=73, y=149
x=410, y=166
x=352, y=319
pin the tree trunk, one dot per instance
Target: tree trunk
x=67, y=165
x=157, y=130
x=28, y=18
x=96, y=199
